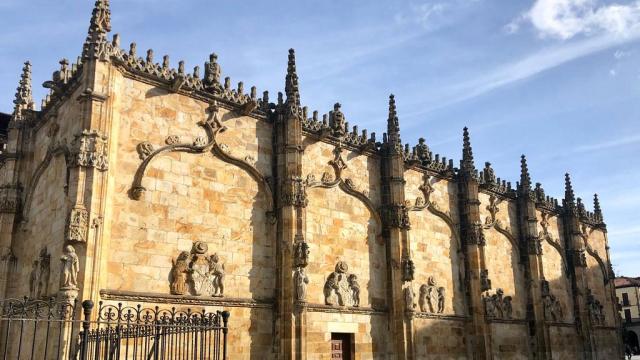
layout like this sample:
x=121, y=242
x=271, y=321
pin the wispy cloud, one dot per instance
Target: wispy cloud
x=565, y=19
x=526, y=67
x=628, y=140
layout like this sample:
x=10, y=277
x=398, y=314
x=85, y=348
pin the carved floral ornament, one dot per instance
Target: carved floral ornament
x=198, y=145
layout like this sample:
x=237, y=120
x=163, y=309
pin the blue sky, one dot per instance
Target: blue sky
x=557, y=80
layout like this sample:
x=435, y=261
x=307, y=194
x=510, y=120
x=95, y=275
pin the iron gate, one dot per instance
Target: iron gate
x=38, y=329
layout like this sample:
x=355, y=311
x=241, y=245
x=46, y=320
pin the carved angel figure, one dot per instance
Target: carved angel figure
x=216, y=270
x=355, y=288
x=179, y=274
x=70, y=268
x=441, y=294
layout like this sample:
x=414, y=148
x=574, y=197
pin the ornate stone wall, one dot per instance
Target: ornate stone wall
x=145, y=183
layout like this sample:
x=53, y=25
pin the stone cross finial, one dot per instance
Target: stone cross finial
x=100, y=25
x=24, y=97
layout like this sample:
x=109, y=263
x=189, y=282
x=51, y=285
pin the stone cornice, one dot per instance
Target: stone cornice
x=123, y=295
x=345, y=310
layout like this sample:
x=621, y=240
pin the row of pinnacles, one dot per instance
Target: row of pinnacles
x=209, y=86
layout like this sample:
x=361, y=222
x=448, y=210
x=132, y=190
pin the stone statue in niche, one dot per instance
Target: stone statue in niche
x=339, y=289
x=69, y=269
x=300, y=279
x=34, y=280
x=179, y=273
x=497, y=305
x=431, y=297
x=39, y=276
x=204, y=273
x=409, y=304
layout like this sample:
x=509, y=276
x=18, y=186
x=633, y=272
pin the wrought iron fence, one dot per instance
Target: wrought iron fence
x=37, y=329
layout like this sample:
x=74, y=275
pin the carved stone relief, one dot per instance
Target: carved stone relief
x=498, y=306
x=300, y=254
x=203, y=274
x=89, y=149
x=77, y=224
x=476, y=235
x=408, y=269
x=9, y=198
x=40, y=273
x=342, y=288
x=432, y=297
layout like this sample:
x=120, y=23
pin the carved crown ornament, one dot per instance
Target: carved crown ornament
x=199, y=145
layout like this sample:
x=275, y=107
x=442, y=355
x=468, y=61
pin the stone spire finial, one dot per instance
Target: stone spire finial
x=569, y=196
x=393, y=127
x=466, y=164
x=100, y=25
x=291, y=83
x=596, y=208
x=525, y=179
x=24, y=97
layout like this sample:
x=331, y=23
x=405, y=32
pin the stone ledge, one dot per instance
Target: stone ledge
x=424, y=315
x=121, y=295
x=560, y=324
x=344, y=310
x=507, y=321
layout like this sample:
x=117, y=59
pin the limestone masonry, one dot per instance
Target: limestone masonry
x=137, y=182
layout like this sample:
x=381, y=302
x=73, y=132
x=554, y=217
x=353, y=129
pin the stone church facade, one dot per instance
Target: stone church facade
x=176, y=189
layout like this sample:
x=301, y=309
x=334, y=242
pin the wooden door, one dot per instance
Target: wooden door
x=340, y=346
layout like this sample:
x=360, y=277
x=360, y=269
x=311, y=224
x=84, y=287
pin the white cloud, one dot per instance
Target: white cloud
x=628, y=140
x=565, y=19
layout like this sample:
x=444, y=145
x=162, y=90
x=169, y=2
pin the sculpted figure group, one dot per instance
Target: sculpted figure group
x=197, y=271
x=342, y=288
x=497, y=305
x=432, y=297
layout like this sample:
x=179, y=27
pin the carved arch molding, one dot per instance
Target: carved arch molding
x=328, y=181
x=54, y=150
x=200, y=145
x=424, y=203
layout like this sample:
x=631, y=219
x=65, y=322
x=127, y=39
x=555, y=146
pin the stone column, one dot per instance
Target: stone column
x=473, y=242
x=395, y=231
x=531, y=256
x=578, y=268
x=291, y=201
